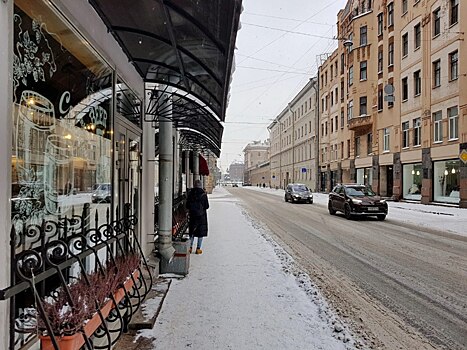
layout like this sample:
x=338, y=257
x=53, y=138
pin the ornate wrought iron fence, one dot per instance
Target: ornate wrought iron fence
x=51, y=255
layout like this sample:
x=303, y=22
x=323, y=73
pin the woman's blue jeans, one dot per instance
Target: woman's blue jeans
x=200, y=241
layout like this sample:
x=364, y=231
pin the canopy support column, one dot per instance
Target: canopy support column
x=166, y=249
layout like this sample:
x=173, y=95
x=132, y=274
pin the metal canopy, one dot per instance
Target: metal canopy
x=198, y=125
x=187, y=44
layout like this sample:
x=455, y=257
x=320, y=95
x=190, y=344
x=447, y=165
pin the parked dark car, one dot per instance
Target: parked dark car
x=102, y=194
x=355, y=200
x=298, y=193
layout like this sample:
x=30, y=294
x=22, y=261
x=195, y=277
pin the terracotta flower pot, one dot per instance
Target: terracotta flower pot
x=76, y=341
x=67, y=342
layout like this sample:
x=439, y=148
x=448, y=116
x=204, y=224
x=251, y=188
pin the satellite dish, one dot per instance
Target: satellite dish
x=389, y=89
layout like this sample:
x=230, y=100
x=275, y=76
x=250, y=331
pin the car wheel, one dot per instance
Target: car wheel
x=311, y=202
x=285, y=199
x=381, y=217
x=347, y=212
x=331, y=210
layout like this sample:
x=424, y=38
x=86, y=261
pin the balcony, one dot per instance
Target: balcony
x=361, y=122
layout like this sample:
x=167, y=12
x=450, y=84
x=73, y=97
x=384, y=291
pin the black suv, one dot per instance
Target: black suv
x=356, y=200
x=298, y=193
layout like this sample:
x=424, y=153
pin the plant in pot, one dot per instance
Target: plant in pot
x=73, y=311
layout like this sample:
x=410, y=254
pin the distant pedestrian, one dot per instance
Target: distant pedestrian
x=197, y=203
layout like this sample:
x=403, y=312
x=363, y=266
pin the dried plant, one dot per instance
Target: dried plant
x=68, y=314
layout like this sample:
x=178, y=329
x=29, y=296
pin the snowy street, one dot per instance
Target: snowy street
x=346, y=284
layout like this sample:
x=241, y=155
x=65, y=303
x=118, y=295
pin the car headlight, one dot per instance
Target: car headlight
x=356, y=201
x=382, y=201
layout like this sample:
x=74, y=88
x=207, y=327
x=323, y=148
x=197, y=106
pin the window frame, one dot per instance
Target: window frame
x=436, y=17
x=436, y=73
x=417, y=77
x=454, y=65
x=363, y=105
x=363, y=69
x=405, y=89
x=405, y=134
x=437, y=127
x=417, y=132
x=417, y=36
x=453, y=19
x=405, y=45
x=386, y=140
x=363, y=35
x=453, y=123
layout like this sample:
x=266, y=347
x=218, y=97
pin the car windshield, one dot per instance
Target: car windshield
x=360, y=191
x=103, y=187
x=299, y=188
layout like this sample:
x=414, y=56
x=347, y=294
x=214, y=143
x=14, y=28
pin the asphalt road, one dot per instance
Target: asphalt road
x=396, y=286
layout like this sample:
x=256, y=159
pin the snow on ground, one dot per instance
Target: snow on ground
x=443, y=218
x=244, y=292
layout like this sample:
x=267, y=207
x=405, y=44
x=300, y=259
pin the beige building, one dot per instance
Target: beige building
x=256, y=156
x=293, y=141
x=392, y=112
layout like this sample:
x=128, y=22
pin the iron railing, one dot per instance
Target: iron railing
x=52, y=254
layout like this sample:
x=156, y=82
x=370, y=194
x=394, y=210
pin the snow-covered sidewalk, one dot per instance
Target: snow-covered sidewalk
x=443, y=218
x=244, y=292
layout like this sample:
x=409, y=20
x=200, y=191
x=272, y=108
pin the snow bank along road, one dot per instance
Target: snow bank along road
x=398, y=286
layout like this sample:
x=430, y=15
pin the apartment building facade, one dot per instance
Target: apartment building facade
x=294, y=140
x=399, y=122
x=256, y=156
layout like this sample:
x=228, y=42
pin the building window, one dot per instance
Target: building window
x=437, y=73
x=437, y=22
x=342, y=119
x=348, y=148
x=438, y=126
x=363, y=36
x=332, y=98
x=391, y=54
x=453, y=117
x=380, y=98
x=350, y=110
x=412, y=181
x=405, y=134
x=363, y=72
x=350, y=75
x=380, y=24
x=342, y=63
x=405, y=44
x=404, y=6
x=405, y=89
x=337, y=123
x=380, y=59
x=386, y=135
x=453, y=65
x=454, y=12
x=342, y=150
x=357, y=147
x=363, y=102
x=446, y=181
x=342, y=90
x=336, y=95
x=369, y=143
x=417, y=36
x=417, y=131
x=417, y=80
x=390, y=14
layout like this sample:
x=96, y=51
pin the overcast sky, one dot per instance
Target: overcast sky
x=278, y=48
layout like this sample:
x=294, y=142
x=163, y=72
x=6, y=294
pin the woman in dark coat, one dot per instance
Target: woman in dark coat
x=197, y=204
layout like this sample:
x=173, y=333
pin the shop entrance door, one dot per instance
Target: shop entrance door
x=390, y=180
x=127, y=176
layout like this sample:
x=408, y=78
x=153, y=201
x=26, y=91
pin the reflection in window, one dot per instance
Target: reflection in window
x=62, y=125
x=446, y=181
x=412, y=181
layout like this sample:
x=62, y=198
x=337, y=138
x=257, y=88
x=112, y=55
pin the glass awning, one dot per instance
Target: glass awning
x=187, y=44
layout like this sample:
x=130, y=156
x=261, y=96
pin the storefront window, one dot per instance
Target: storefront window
x=62, y=118
x=412, y=181
x=365, y=176
x=446, y=181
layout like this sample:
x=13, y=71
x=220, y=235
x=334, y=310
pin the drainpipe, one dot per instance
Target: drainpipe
x=318, y=173
x=187, y=170
x=166, y=250
x=195, y=165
